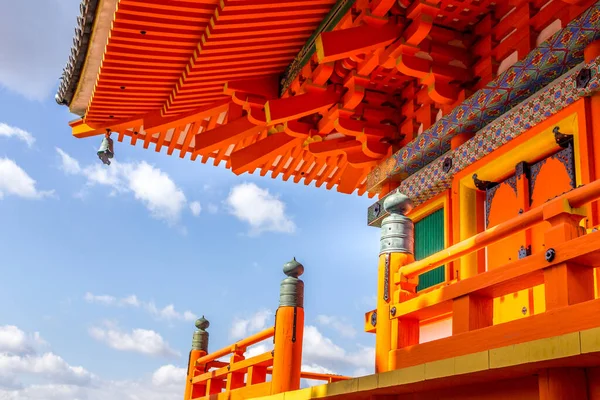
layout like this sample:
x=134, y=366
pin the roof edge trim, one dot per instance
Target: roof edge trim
x=81, y=42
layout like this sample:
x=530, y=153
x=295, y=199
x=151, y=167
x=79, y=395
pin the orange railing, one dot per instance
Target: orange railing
x=241, y=377
x=565, y=269
x=213, y=376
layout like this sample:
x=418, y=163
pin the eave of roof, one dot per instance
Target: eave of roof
x=81, y=41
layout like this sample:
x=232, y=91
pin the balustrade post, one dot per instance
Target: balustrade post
x=289, y=330
x=565, y=283
x=396, y=250
x=199, y=349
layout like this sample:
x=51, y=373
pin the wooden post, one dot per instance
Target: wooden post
x=289, y=330
x=563, y=384
x=396, y=250
x=199, y=349
x=471, y=312
x=565, y=283
x=235, y=380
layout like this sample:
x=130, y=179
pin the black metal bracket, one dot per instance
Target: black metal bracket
x=524, y=252
x=294, y=325
x=583, y=78
x=386, y=278
x=562, y=139
x=482, y=185
x=447, y=164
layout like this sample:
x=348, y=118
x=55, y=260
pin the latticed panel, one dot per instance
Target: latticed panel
x=429, y=239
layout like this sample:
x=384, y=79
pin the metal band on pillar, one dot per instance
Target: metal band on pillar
x=200, y=339
x=397, y=230
x=291, y=292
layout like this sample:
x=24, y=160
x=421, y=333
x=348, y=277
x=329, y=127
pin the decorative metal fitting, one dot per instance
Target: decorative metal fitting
x=482, y=185
x=393, y=311
x=447, y=164
x=524, y=310
x=374, y=318
x=377, y=209
x=583, y=78
x=550, y=255
x=397, y=230
x=291, y=291
x=524, y=252
x=200, y=338
x=561, y=139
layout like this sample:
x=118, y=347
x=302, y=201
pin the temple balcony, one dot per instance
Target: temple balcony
x=551, y=352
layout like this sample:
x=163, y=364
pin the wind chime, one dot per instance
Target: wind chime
x=106, y=149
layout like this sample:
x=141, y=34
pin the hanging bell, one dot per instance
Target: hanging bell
x=106, y=150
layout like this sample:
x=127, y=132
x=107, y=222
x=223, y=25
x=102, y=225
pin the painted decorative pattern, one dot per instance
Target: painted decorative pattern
x=550, y=60
x=432, y=180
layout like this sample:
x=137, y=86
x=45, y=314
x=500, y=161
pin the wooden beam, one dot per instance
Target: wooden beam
x=253, y=155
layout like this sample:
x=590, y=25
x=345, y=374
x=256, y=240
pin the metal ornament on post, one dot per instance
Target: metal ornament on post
x=200, y=339
x=291, y=291
x=106, y=150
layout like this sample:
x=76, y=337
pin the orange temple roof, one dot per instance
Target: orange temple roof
x=314, y=90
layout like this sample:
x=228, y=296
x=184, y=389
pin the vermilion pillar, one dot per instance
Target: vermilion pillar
x=289, y=330
x=396, y=250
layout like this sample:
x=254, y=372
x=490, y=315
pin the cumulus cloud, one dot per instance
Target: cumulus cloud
x=242, y=327
x=263, y=211
x=338, y=324
x=168, y=312
x=19, y=357
x=14, y=340
x=27, y=375
x=196, y=208
x=15, y=181
x=18, y=133
x=169, y=375
x=142, y=341
x=151, y=186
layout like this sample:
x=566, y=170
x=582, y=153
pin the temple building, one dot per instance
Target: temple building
x=473, y=124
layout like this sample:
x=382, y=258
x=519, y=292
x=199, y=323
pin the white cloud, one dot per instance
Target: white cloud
x=151, y=186
x=48, y=365
x=143, y=341
x=260, y=209
x=242, y=327
x=168, y=312
x=14, y=340
x=15, y=181
x=169, y=375
x=196, y=208
x=341, y=326
x=49, y=377
x=19, y=357
x=11, y=131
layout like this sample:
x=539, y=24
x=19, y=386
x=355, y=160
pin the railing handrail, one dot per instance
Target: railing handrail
x=241, y=344
x=576, y=198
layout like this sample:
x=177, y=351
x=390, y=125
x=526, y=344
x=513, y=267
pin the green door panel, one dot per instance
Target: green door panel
x=429, y=239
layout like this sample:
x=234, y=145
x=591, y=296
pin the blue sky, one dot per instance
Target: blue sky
x=104, y=269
